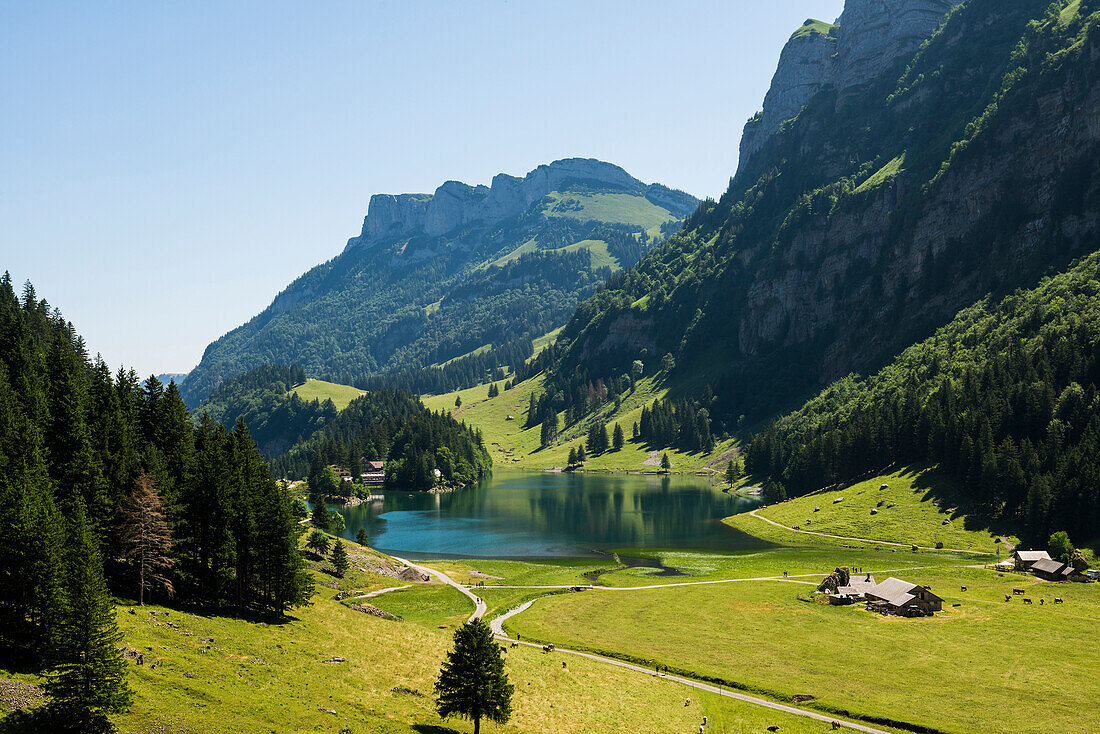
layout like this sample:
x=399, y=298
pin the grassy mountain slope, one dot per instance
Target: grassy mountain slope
x=434, y=278
x=510, y=443
x=918, y=507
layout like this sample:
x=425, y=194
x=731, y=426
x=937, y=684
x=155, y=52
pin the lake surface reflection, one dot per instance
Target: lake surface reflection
x=514, y=514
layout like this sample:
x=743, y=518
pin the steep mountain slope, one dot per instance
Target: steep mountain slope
x=434, y=277
x=1004, y=398
x=883, y=208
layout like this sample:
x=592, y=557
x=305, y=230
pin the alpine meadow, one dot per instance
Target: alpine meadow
x=564, y=451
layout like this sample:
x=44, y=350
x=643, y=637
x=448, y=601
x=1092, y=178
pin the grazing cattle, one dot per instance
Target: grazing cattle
x=773, y=728
x=962, y=588
x=1027, y=600
x=687, y=701
x=1017, y=591
x=1057, y=600
x=515, y=644
x=835, y=725
x=563, y=664
x=1008, y=598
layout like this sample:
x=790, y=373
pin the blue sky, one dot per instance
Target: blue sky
x=167, y=168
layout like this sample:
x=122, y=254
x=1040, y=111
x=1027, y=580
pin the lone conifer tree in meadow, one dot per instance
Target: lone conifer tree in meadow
x=87, y=678
x=145, y=538
x=339, y=558
x=472, y=683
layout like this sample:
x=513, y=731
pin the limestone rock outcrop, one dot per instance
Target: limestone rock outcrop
x=455, y=204
x=867, y=38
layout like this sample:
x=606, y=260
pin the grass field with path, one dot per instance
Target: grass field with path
x=951, y=672
x=331, y=668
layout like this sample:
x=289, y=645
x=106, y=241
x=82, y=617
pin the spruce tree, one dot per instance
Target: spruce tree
x=87, y=678
x=282, y=580
x=472, y=682
x=339, y=558
x=617, y=439
x=572, y=457
x=666, y=465
x=361, y=537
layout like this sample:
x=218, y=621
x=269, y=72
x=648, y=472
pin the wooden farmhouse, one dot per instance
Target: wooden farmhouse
x=855, y=590
x=1055, y=571
x=1023, y=560
x=894, y=596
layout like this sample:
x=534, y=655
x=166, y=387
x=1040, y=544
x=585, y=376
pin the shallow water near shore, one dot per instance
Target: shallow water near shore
x=516, y=514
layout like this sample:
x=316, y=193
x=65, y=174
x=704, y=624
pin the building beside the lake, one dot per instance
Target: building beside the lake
x=374, y=471
x=894, y=596
x=1025, y=559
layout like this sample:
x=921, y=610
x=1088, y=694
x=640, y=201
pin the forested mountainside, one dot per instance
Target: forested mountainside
x=1004, y=398
x=397, y=428
x=105, y=481
x=468, y=270
x=889, y=203
x=276, y=417
x=383, y=424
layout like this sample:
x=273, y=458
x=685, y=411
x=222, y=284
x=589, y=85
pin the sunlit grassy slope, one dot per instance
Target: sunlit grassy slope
x=614, y=208
x=924, y=514
x=333, y=669
x=510, y=444
x=340, y=395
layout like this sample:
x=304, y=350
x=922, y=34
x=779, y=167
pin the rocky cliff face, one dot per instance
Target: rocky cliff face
x=859, y=229
x=455, y=204
x=864, y=42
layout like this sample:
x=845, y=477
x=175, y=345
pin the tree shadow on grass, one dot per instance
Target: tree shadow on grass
x=936, y=486
x=422, y=729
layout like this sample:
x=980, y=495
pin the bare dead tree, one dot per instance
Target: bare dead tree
x=145, y=537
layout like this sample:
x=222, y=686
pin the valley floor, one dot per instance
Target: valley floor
x=747, y=622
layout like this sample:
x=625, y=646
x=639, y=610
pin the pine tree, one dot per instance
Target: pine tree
x=361, y=537
x=472, y=682
x=87, y=679
x=572, y=457
x=339, y=558
x=581, y=456
x=145, y=538
x=617, y=439
x=666, y=465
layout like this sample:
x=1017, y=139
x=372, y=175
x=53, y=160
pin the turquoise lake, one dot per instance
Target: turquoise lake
x=514, y=514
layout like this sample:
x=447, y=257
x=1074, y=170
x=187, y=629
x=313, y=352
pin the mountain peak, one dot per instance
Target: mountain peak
x=867, y=38
x=455, y=204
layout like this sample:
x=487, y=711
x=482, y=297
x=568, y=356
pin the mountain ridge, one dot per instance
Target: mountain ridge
x=455, y=203
x=435, y=277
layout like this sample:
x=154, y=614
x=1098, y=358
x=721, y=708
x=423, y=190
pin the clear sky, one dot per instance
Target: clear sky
x=166, y=168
